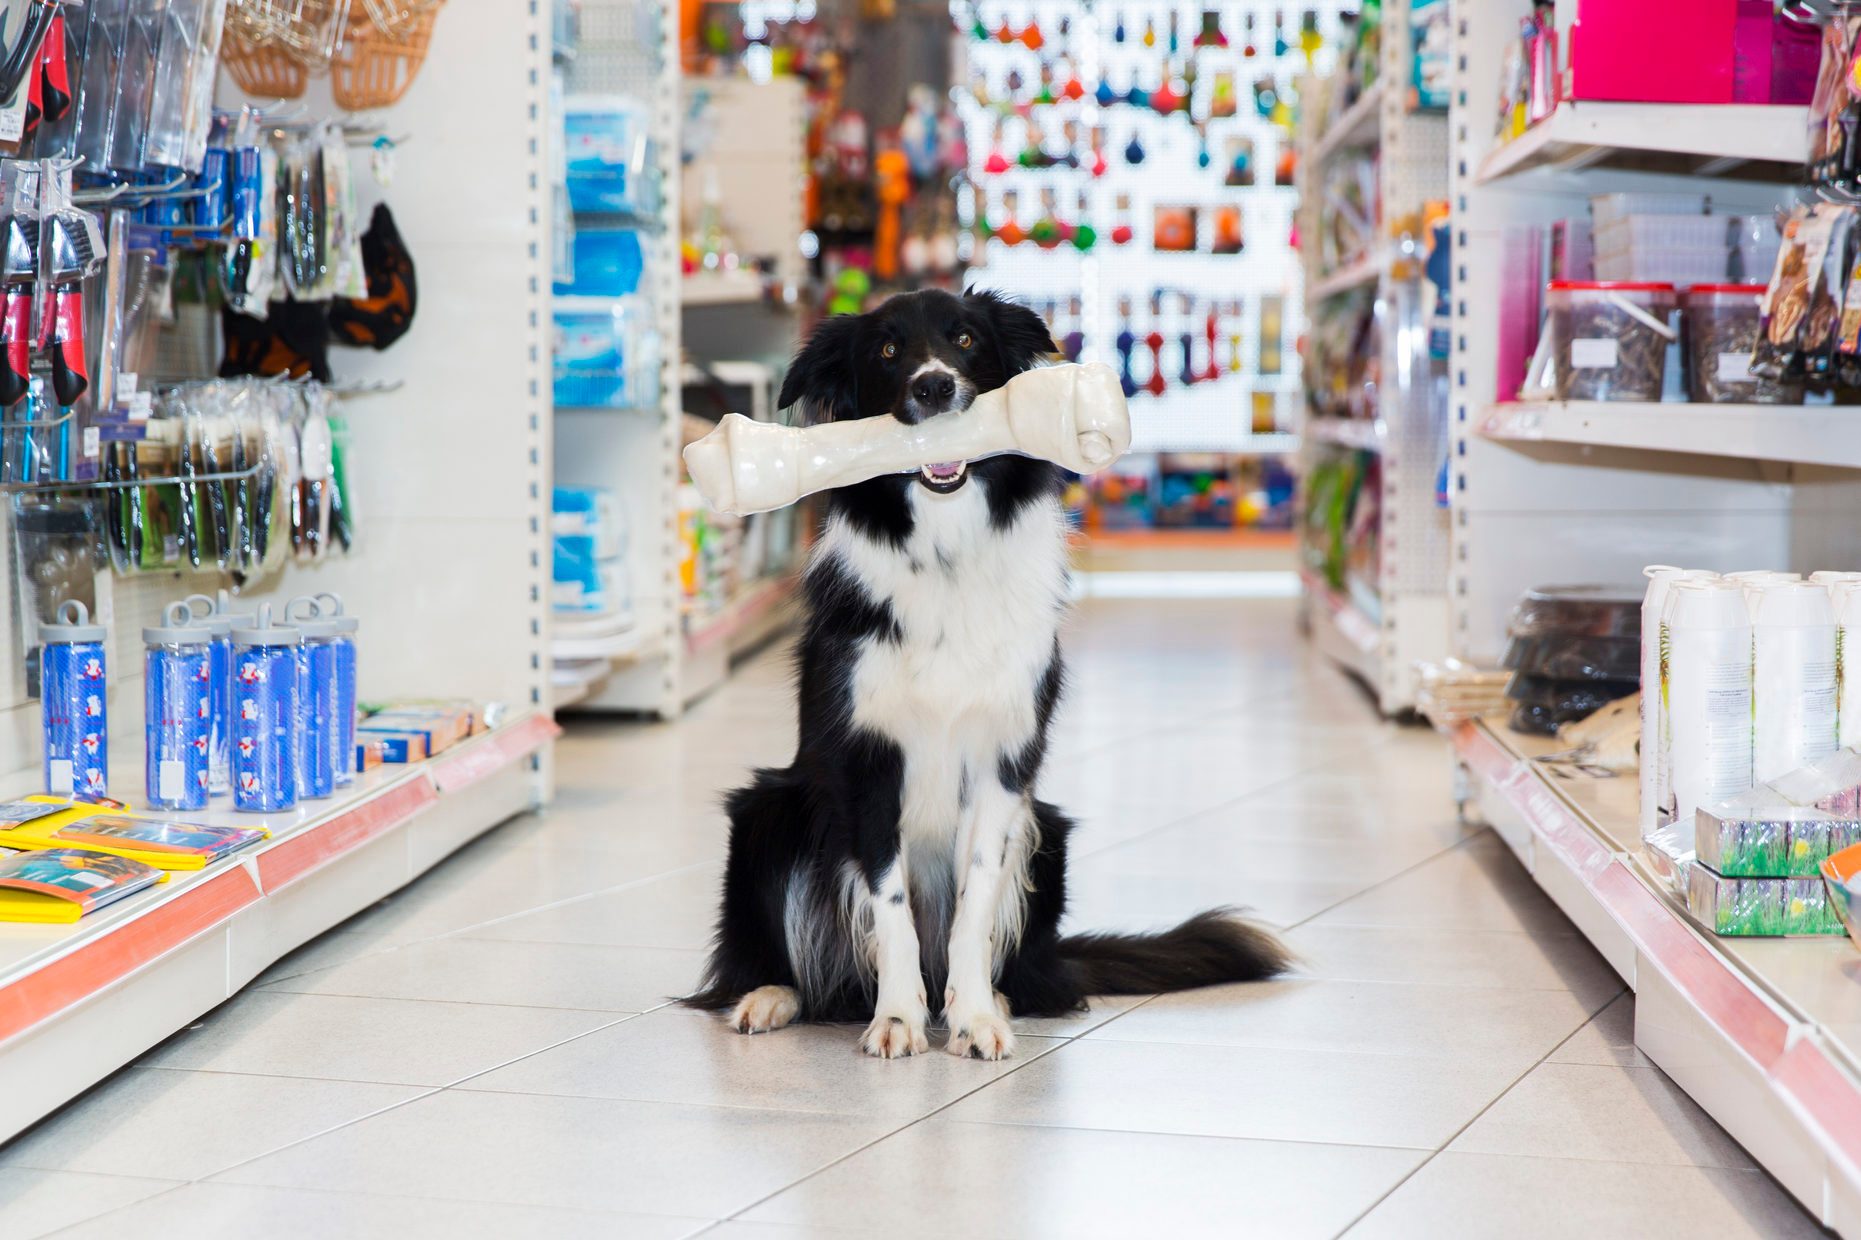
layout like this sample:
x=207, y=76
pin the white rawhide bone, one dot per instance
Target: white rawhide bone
x=1073, y=415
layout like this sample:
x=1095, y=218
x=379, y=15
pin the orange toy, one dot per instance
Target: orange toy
x=892, y=171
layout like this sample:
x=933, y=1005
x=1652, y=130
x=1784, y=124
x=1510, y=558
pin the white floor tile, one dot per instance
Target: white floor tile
x=580, y=1153
x=214, y=1210
x=1243, y=1091
x=37, y=1203
x=694, y=1057
x=940, y=1179
x=1605, y=1113
x=1432, y=956
x=1557, y=1199
x=392, y=1041
x=555, y=975
x=1609, y=1038
x=176, y=1125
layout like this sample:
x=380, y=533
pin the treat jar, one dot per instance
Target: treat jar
x=344, y=645
x=316, y=688
x=220, y=665
x=1721, y=323
x=1610, y=338
x=72, y=697
x=178, y=693
x=266, y=714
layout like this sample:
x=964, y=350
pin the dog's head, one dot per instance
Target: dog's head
x=917, y=356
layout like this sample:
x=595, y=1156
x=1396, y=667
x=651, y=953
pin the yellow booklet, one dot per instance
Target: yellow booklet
x=152, y=841
x=60, y=885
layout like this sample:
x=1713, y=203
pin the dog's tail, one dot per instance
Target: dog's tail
x=1207, y=950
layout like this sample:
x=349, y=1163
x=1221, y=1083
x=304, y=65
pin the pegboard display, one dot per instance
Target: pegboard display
x=1131, y=166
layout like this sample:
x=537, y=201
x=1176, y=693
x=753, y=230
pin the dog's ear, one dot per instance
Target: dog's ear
x=1021, y=336
x=824, y=376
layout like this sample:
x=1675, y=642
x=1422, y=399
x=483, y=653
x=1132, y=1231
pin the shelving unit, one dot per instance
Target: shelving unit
x=448, y=478
x=1734, y=139
x=1406, y=435
x=79, y=1001
x=1765, y=1034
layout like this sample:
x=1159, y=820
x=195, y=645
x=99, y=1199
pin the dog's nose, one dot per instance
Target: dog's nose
x=933, y=389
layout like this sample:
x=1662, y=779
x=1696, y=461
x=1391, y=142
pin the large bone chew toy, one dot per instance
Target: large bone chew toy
x=1073, y=415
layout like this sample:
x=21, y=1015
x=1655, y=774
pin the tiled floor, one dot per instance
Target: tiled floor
x=489, y=1053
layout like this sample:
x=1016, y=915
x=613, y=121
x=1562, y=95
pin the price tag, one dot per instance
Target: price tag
x=1734, y=368
x=1593, y=353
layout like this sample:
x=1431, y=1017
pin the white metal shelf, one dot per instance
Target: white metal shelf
x=1363, y=434
x=78, y=1001
x=1357, y=125
x=721, y=288
x=1810, y=434
x=1363, y=273
x=1342, y=629
x=1727, y=138
x=1765, y=1034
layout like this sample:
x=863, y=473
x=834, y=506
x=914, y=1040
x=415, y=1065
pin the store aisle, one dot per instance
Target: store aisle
x=490, y=1054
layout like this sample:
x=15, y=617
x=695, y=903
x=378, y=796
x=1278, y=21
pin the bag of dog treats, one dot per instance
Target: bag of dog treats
x=1785, y=308
x=1828, y=287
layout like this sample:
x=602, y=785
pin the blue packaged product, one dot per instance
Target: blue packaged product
x=220, y=623
x=73, y=696
x=266, y=713
x=178, y=709
x=606, y=262
x=317, y=735
x=344, y=645
x=604, y=140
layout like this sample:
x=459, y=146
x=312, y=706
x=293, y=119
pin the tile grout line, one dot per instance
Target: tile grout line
x=1490, y=1104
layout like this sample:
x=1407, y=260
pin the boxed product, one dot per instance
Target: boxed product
x=606, y=141
x=1774, y=840
x=603, y=262
x=415, y=732
x=606, y=353
x=1760, y=906
x=374, y=748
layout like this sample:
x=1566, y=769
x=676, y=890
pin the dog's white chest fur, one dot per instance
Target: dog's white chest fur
x=978, y=610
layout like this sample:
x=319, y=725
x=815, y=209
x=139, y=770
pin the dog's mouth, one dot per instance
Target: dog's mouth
x=944, y=477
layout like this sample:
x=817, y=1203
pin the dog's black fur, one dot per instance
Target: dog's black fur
x=837, y=805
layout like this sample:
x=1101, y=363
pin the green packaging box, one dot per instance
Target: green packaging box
x=1770, y=842
x=1759, y=906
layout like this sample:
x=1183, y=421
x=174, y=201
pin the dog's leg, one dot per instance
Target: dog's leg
x=901, y=1013
x=764, y=1009
x=972, y=1010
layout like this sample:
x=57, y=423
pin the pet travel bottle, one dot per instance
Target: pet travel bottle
x=1706, y=679
x=1656, y=785
x=316, y=687
x=73, y=697
x=344, y=644
x=266, y=714
x=1793, y=678
x=219, y=744
x=178, y=709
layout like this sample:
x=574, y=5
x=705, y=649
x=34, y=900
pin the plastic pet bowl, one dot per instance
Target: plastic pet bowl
x=1837, y=872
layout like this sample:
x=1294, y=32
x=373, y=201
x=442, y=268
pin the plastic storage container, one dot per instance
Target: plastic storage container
x=73, y=695
x=178, y=691
x=1609, y=338
x=1606, y=209
x=1720, y=325
x=1666, y=264
x=606, y=353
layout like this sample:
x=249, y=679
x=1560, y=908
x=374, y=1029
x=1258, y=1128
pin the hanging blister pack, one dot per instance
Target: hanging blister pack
x=135, y=83
x=249, y=268
x=188, y=47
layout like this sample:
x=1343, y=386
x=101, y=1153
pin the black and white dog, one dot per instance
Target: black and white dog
x=903, y=853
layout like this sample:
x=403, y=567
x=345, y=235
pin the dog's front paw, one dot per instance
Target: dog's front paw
x=980, y=1034
x=894, y=1037
x=765, y=1008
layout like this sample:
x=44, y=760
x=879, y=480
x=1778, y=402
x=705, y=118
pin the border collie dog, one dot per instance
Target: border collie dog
x=903, y=854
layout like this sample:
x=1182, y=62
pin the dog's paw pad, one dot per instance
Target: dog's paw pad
x=893, y=1037
x=764, y=1009
x=982, y=1035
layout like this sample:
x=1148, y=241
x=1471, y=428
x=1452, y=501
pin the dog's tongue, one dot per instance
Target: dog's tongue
x=945, y=468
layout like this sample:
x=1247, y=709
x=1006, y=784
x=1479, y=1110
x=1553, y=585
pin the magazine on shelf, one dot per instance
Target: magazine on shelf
x=165, y=845
x=60, y=885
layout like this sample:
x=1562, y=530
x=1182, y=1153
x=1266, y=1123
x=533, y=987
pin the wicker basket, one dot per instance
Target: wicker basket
x=374, y=69
x=263, y=71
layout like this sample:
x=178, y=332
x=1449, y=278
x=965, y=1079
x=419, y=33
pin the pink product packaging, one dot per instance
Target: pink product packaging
x=1774, y=58
x=1610, y=42
x=1573, y=250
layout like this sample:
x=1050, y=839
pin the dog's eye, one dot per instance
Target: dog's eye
x=889, y=352
x=964, y=340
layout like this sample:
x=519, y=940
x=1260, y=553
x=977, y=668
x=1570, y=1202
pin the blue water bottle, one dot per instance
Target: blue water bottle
x=344, y=644
x=178, y=709
x=266, y=714
x=316, y=688
x=219, y=743
x=73, y=696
